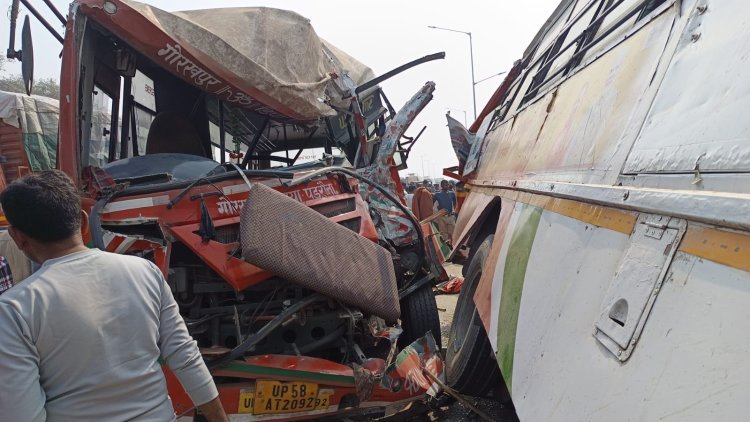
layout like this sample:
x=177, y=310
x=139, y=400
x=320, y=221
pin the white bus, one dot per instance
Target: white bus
x=608, y=219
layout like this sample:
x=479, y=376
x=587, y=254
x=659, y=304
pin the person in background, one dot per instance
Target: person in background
x=81, y=338
x=6, y=277
x=421, y=204
x=409, y=195
x=446, y=200
x=20, y=265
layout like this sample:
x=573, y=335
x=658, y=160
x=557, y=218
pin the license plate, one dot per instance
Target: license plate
x=288, y=397
x=246, y=401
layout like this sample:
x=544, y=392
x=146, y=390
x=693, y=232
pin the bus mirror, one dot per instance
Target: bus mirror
x=27, y=56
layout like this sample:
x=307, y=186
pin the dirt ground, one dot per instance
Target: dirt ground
x=447, y=304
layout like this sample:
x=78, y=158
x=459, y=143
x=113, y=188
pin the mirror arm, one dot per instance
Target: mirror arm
x=12, y=53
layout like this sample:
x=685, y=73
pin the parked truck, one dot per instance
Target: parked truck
x=28, y=136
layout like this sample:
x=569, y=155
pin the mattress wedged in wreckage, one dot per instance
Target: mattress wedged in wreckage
x=289, y=239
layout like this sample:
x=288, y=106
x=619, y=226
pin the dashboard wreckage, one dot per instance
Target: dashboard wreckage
x=300, y=281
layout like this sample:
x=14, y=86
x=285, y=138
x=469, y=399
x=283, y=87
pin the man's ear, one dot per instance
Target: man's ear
x=84, y=223
x=18, y=236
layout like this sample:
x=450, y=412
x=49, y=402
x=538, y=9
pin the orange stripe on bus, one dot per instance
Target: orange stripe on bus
x=721, y=246
x=597, y=215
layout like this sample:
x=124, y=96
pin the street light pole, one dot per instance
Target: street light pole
x=473, y=84
x=471, y=56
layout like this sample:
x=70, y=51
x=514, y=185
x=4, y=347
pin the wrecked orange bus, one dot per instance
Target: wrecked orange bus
x=290, y=275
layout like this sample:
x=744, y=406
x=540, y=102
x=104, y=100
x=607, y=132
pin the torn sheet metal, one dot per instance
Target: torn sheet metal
x=477, y=146
x=379, y=329
x=393, y=224
x=124, y=244
x=406, y=372
x=401, y=122
x=467, y=145
x=365, y=381
x=461, y=139
x=396, y=226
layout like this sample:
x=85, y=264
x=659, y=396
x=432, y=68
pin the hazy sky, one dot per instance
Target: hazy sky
x=383, y=35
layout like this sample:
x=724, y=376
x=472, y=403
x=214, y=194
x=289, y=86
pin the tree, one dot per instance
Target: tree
x=46, y=87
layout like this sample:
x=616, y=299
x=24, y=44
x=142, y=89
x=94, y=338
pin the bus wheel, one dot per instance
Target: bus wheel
x=419, y=314
x=471, y=367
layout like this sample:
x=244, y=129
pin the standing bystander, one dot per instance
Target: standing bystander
x=81, y=338
x=409, y=195
x=20, y=265
x=421, y=203
x=6, y=277
x=446, y=200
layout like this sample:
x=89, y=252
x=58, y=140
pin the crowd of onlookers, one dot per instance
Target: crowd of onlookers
x=436, y=202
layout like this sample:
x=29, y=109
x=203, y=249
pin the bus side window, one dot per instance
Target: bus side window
x=589, y=26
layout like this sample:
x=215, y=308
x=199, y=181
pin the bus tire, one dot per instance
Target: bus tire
x=419, y=314
x=471, y=367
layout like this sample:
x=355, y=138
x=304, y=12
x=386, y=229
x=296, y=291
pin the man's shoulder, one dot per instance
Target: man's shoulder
x=12, y=295
x=19, y=296
x=129, y=261
x=99, y=254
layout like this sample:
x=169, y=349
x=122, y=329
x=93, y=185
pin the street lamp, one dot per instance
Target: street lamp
x=471, y=54
x=424, y=175
x=455, y=109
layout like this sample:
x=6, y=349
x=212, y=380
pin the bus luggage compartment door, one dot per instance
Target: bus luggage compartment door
x=636, y=284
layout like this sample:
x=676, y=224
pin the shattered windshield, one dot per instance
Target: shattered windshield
x=175, y=167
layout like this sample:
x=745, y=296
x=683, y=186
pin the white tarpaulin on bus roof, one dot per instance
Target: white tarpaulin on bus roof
x=275, y=51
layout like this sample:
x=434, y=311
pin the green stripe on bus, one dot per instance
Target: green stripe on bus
x=514, y=272
x=264, y=371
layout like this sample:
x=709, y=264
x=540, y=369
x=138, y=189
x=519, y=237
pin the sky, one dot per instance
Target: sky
x=383, y=35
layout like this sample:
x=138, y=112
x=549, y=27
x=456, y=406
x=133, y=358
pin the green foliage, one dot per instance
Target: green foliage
x=46, y=87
